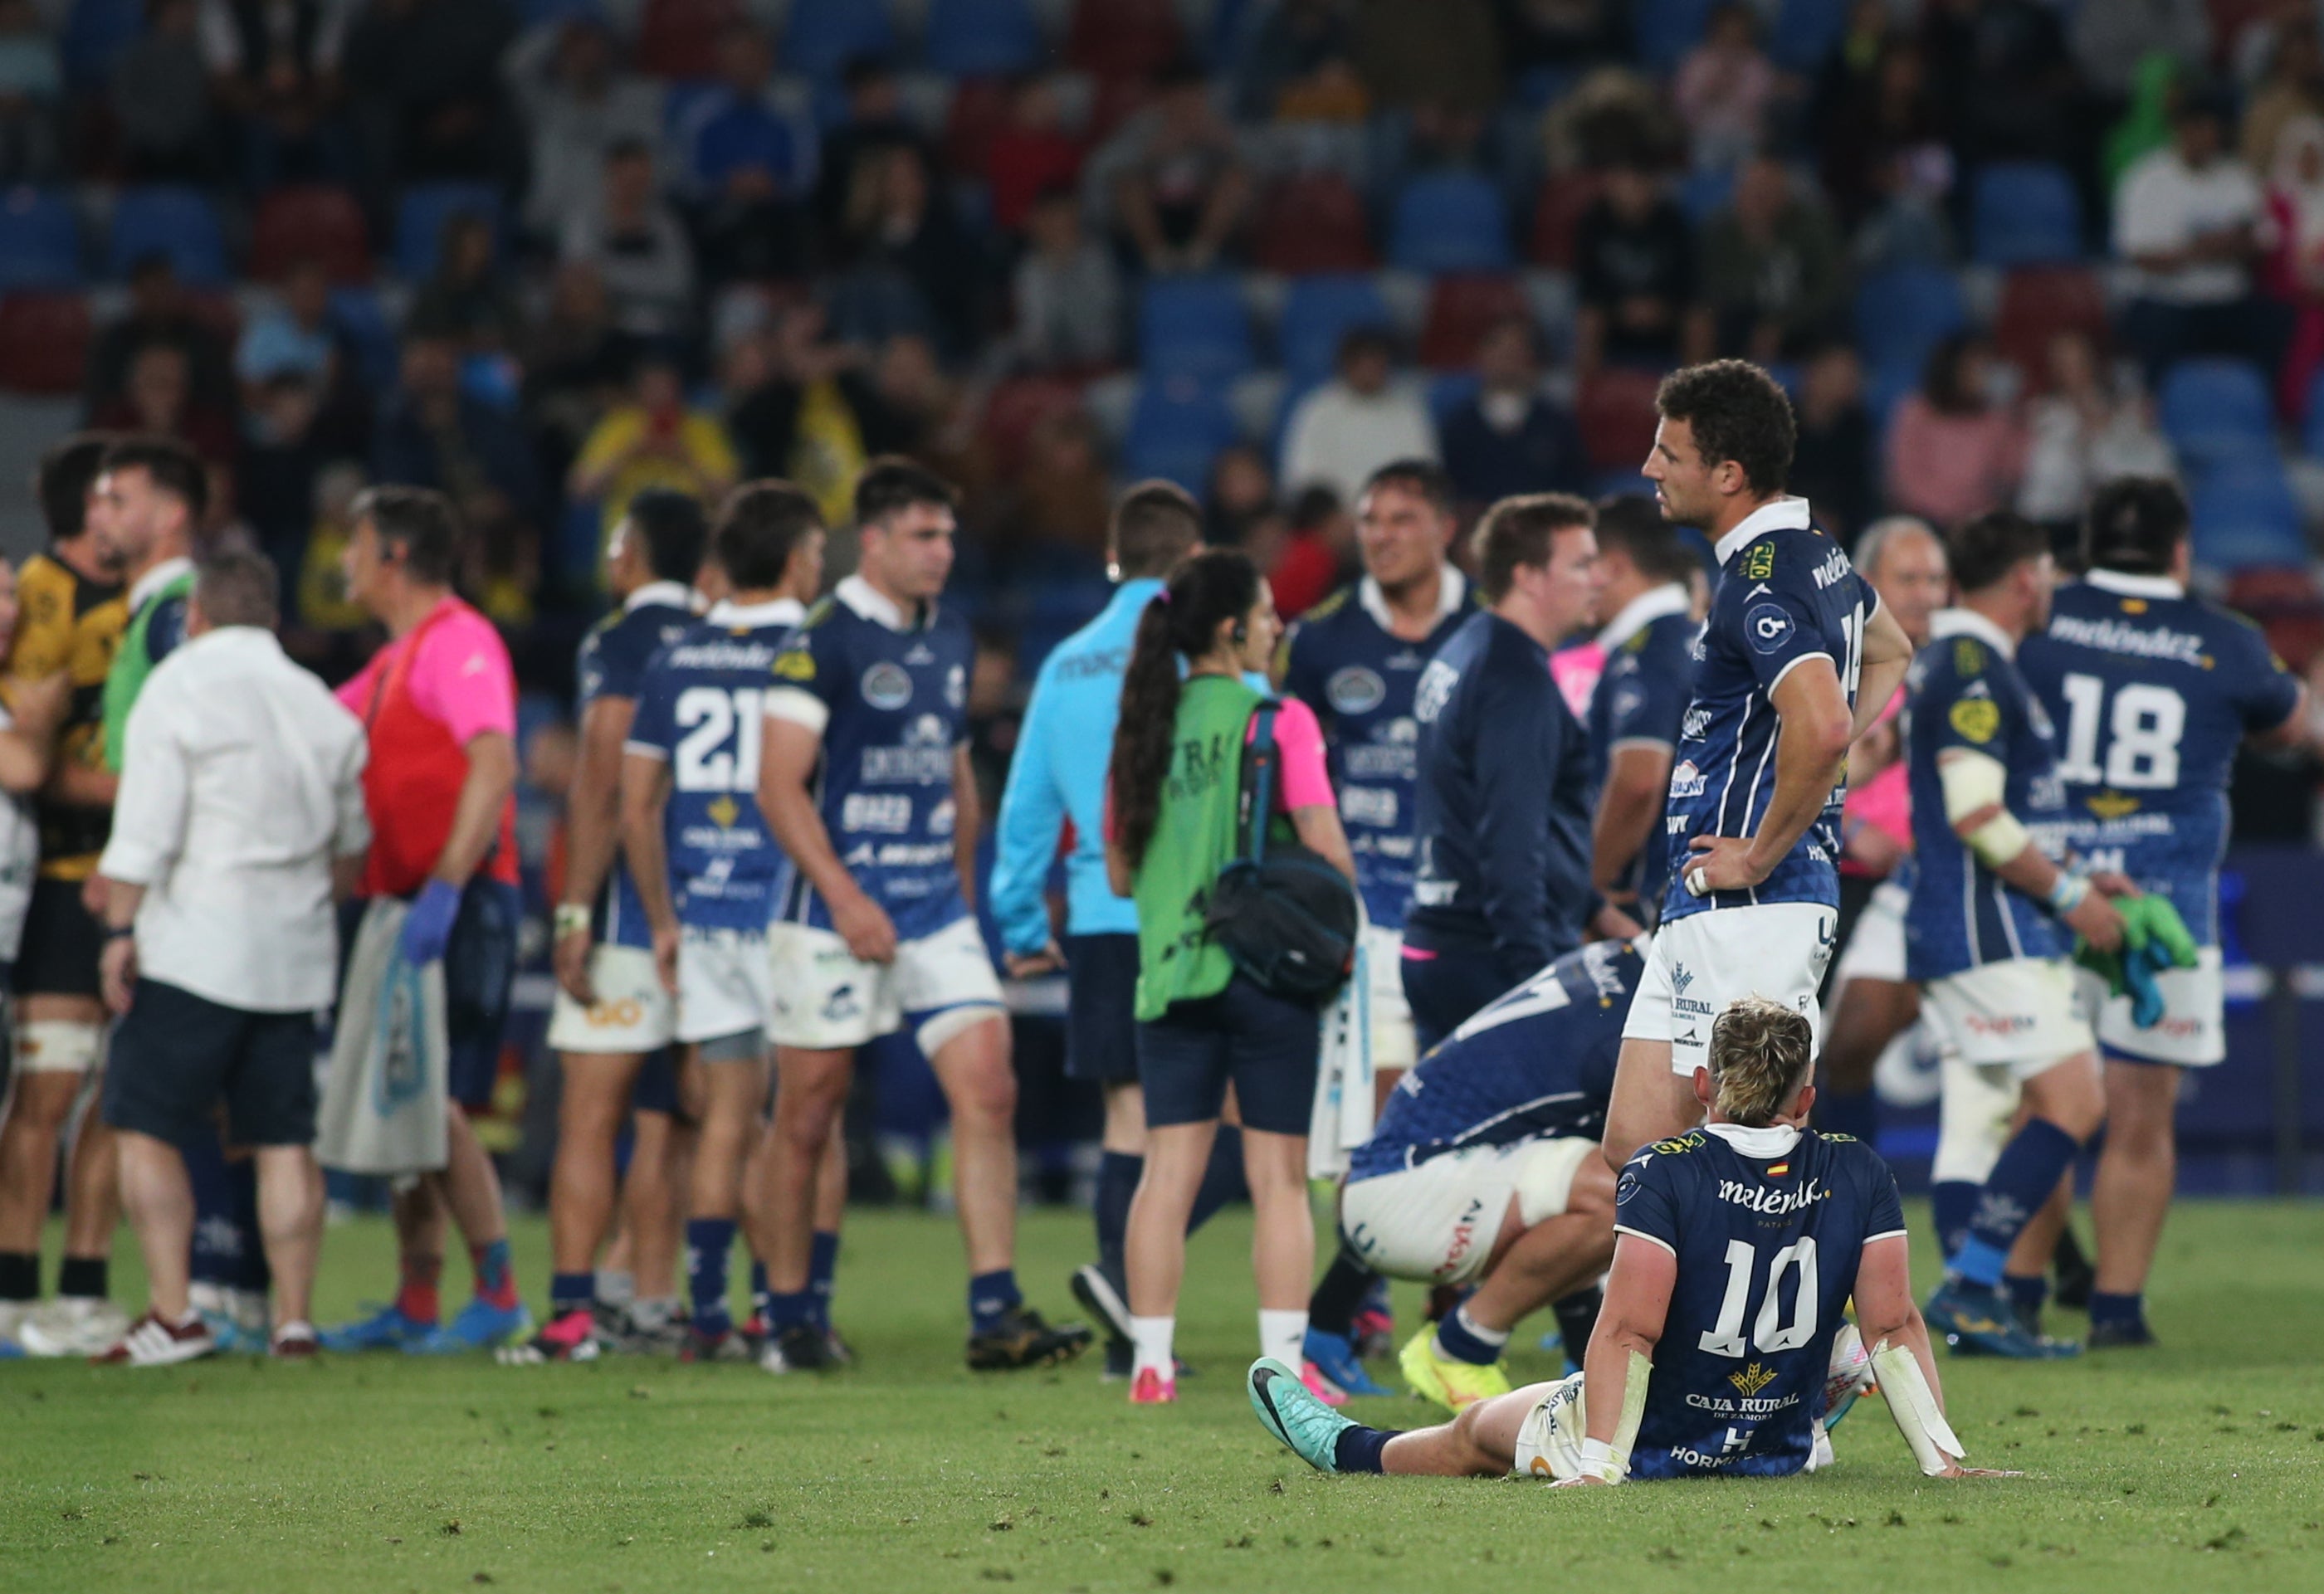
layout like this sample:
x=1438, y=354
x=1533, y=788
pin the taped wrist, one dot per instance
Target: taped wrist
x=1914, y=1406
x=1973, y=782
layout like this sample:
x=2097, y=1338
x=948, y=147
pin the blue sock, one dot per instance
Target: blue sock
x=1118, y=1173
x=789, y=1311
x=218, y=1238
x=759, y=1291
x=707, y=1241
x=2030, y=1167
x=822, y=1270
x=1459, y=1338
x=1358, y=1448
x=1953, y=1204
x=2028, y=1294
x=571, y=1291
x=989, y=1295
x=2105, y=1308
x=1222, y=1180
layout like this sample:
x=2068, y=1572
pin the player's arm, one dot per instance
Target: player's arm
x=28, y=743
x=1637, y=785
x=1888, y=655
x=1620, y=1356
x=80, y=784
x=1032, y=818
x=788, y=756
x=593, y=818
x=967, y=823
x=644, y=800
x=1816, y=727
x=1903, y=1360
x=2295, y=729
x=1974, y=785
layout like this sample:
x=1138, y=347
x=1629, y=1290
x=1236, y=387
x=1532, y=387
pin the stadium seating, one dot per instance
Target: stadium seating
x=1176, y=429
x=979, y=110
x=2026, y=213
x=2217, y=411
x=1460, y=311
x=1015, y=407
x=309, y=223
x=167, y=219
x=1705, y=194
x=678, y=39
x=1663, y=31
x=1558, y=205
x=1615, y=410
x=1124, y=39
x=821, y=36
x=40, y=240
x=968, y=38
x=1902, y=313
x=2037, y=303
x=420, y=216
x=1312, y=222
x=357, y=311
x=537, y=12
x=1194, y=327
x=2245, y=515
x=94, y=32
x=1805, y=31
x=1317, y=312
x=1450, y=221
x=43, y=341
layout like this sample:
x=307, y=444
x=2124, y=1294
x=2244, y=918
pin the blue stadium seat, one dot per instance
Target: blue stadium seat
x=1901, y=313
x=981, y=38
x=168, y=219
x=1450, y=221
x=1448, y=391
x=40, y=240
x=1193, y=326
x=824, y=35
x=357, y=312
x=1176, y=430
x=420, y=216
x=2026, y=213
x=1804, y=32
x=2217, y=411
x=93, y=34
x=1703, y=194
x=1665, y=29
x=2311, y=438
x=1317, y=312
x=2245, y=515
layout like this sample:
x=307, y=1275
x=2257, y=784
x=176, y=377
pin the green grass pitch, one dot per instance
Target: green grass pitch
x=2195, y=1467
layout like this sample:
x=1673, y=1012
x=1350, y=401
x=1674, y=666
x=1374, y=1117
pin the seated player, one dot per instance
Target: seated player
x=1739, y=1245
x=1480, y=1168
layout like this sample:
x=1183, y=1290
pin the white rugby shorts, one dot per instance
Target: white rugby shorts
x=1436, y=1223
x=1549, y=1440
x=1705, y=961
x=725, y=986
x=1393, y=1044
x=2193, y=1032
x=827, y=1000
x=632, y=1013
x=1876, y=947
x=2018, y=1014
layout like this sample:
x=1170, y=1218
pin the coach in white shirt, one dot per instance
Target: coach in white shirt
x=241, y=810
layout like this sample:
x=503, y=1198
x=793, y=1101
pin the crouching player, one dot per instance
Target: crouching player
x=1480, y=1168
x=1737, y=1245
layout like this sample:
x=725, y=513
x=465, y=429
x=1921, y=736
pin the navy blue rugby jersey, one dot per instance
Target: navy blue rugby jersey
x=1342, y=660
x=1767, y=1226
x=1641, y=698
x=1537, y=1063
x=1786, y=594
x=888, y=693
x=2152, y=691
x=611, y=662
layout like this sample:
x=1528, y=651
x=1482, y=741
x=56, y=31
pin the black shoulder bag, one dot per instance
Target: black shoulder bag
x=1285, y=916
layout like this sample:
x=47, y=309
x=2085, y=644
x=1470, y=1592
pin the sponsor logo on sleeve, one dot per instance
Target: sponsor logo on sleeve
x=1768, y=626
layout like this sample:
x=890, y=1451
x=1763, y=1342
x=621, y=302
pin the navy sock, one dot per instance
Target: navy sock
x=2036, y=1157
x=789, y=1311
x=1577, y=1320
x=20, y=1275
x=1459, y=1338
x=1857, y=1113
x=1222, y=1180
x=759, y=1291
x=1357, y=1449
x=1951, y=1205
x=822, y=1270
x=571, y=1291
x=990, y=1296
x=2107, y=1308
x=86, y=1277
x=1118, y=1173
x=218, y=1238
x=707, y=1242
x=1332, y=1309
x=2028, y=1294
x=250, y=1270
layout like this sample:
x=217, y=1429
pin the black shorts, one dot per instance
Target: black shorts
x=1447, y=981
x=656, y=1089
x=176, y=1056
x=1101, y=1009
x=1268, y=1047
x=62, y=942
x=479, y=971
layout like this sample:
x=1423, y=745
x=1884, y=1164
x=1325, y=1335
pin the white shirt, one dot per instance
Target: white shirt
x=2163, y=204
x=20, y=856
x=241, y=779
x=1337, y=437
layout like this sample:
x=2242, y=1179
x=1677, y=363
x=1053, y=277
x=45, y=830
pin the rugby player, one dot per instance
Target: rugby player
x=2152, y=691
x=1796, y=658
x=1737, y=1245
x=864, y=780
x=1639, y=702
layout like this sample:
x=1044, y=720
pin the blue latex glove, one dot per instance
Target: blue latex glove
x=428, y=926
x=2139, y=967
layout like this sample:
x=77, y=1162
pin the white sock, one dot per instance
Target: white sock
x=1283, y=1335
x=1150, y=1338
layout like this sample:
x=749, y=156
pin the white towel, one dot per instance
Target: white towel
x=1343, y=1116
x=383, y=1108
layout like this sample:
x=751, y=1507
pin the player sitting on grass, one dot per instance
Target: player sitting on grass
x=1480, y=1169
x=1737, y=1245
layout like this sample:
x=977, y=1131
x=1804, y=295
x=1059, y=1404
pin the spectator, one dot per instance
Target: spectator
x=1849, y=75
x=1178, y=187
x=1318, y=551
x=282, y=453
x=2293, y=87
x=2004, y=77
x=1724, y=89
x=873, y=126
x=1241, y=500
x=1952, y=452
x=1832, y=463
x=160, y=310
x=2295, y=267
x=1562, y=35
x=2110, y=39
x=241, y=816
x=1512, y=438
x=2086, y=430
x=747, y=167
x=466, y=297
x=1030, y=154
x=424, y=78
x=575, y=361
x=1061, y=500
x=1445, y=53
x=636, y=245
x=433, y=434
x=161, y=99
x=2145, y=126
x=2189, y=217
x=577, y=106
x=326, y=636
x=295, y=336
x=1069, y=298
x=797, y=400
x=275, y=65
x=653, y=440
x=1883, y=132
x=159, y=399
x=1357, y=422
x=1300, y=58
x=914, y=269
x=1635, y=270
x=31, y=82
x=1772, y=267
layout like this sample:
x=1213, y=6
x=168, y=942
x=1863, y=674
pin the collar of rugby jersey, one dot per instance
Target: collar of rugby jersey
x=1648, y=606
x=860, y=596
x=155, y=579
x=1969, y=623
x=1771, y=1141
x=1452, y=591
x=774, y=612
x=674, y=594
x=1788, y=513
x=2126, y=584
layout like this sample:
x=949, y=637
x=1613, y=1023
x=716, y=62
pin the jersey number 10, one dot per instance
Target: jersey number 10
x=2142, y=750
x=1769, y=1331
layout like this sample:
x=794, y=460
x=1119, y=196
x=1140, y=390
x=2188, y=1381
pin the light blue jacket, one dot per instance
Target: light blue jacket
x=1058, y=774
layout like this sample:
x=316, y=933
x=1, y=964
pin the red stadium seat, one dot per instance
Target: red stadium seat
x=680, y=38
x=2289, y=609
x=1116, y=101
x=310, y=223
x=1124, y=38
x=1018, y=405
x=1460, y=310
x=1617, y=415
x=1557, y=210
x=43, y=341
x=979, y=110
x=1312, y=224
x=2037, y=303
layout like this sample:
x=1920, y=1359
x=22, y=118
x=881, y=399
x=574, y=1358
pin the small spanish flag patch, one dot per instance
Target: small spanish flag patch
x=1778, y=1169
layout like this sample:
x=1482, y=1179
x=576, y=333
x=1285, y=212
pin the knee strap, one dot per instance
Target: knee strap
x=58, y=1045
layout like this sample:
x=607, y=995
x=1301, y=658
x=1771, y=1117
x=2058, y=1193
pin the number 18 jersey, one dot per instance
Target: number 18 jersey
x=1766, y=1226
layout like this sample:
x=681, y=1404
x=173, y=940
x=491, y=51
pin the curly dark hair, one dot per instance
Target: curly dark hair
x=1736, y=411
x=1986, y=548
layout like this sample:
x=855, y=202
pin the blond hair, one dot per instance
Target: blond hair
x=1759, y=1056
